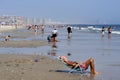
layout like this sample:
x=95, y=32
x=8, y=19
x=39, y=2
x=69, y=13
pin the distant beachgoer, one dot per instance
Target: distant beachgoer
x=36, y=28
x=109, y=30
x=7, y=38
x=29, y=28
x=69, y=30
x=42, y=28
x=103, y=30
x=54, y=34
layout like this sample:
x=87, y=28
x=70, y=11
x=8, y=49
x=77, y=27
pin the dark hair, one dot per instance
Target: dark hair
x=8, y=35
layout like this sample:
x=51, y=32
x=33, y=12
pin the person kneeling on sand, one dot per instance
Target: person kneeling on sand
x=49, y=38
x=7, y=38
x=85, y=65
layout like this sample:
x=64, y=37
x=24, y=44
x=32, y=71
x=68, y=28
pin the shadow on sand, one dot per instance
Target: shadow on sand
x=69, y=71
x=82, y=76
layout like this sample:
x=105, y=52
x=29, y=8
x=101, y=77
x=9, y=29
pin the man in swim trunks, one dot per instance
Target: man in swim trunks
x=54, y=34
x=85, y=65
x=69, y=30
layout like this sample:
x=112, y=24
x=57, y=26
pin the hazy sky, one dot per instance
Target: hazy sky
x=71, y=11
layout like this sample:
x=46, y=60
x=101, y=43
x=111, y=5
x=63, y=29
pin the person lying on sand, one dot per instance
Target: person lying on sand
x=85, y=65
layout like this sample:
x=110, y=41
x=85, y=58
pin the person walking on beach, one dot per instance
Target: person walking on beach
x=54, y=34
x=109, y=30
x=42, y=28
x=85, y=65
x=69, y=30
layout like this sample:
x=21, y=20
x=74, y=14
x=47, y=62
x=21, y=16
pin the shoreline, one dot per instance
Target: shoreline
x=81, y=46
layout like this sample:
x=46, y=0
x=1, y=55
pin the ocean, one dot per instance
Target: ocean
x=86, y=41
x=97, y=28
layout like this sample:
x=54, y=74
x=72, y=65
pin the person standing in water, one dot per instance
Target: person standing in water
x=69, y=30
x=103, y=31
x=54, y=35
x=109, y=30
x=42, y=28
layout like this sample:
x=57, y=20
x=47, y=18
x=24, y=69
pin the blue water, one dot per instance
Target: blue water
x=97, y=28
x=86, y=41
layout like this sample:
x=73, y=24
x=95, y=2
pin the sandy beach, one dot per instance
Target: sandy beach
x=24, y=67
x=18, y=55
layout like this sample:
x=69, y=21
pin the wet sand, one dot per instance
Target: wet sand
x=20, y=44
x=30, y=67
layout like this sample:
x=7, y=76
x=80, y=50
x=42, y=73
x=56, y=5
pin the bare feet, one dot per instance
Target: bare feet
x=95, y=73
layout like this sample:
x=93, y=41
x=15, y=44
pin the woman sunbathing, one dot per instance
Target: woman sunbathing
x=85, y=65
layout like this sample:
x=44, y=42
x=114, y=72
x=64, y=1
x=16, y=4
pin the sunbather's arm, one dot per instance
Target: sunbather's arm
x=71, y=63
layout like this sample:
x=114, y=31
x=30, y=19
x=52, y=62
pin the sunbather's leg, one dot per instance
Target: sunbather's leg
x=90, y=62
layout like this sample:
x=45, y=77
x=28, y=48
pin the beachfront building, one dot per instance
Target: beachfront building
x=11, y=22
x=40, y=21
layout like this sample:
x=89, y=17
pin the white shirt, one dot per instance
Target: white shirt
x=54, y=31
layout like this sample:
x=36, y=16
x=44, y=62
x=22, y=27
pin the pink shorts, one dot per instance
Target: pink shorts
x=83, y=66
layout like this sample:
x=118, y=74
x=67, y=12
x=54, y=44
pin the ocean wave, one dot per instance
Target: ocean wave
x=96, y=29
x=116, y=32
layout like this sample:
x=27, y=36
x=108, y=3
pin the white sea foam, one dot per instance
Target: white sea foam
x=95, y=29
x=116, y=32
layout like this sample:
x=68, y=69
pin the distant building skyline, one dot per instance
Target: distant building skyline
x=65, y=11
x=36, y=20
x=20, y=20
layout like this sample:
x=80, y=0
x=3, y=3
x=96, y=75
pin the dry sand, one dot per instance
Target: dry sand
x=24, y=67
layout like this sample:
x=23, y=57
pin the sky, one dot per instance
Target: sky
x=67, y=11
